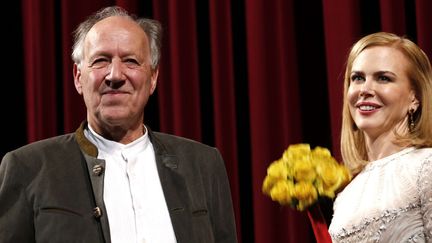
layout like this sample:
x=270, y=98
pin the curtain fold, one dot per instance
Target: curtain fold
x=179, y=97
x=248, y=77
x=40, y=73
x=424, y=28
x=393, y=16
x=225, y=126
x=274, y=110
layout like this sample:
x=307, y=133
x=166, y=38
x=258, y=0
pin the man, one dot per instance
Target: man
x=114, y=180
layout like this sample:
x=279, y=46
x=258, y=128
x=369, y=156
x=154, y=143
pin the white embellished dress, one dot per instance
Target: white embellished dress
x=389, y=201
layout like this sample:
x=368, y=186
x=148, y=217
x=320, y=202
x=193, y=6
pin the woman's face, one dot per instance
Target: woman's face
x=379, y=93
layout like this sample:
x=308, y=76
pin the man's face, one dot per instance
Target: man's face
x=115, y=75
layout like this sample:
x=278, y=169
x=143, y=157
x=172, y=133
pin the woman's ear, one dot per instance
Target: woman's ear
x=415, y=104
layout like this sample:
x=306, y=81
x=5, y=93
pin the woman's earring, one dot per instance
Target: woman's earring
x=411, y=124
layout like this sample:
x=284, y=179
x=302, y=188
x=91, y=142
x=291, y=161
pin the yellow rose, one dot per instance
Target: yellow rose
x=306, y=194
x=278, y=169
x=268, y=183
x=282, y=192
x=331, y=177
x=320, y=152
x=296, y=152
x=304, y=170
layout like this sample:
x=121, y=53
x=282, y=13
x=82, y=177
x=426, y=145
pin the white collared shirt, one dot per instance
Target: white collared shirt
x=133, y=195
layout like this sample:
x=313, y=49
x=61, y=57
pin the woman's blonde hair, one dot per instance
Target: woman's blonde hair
x=419, y=72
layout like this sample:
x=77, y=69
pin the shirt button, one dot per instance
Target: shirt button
x=98, y=170
x=97, y=212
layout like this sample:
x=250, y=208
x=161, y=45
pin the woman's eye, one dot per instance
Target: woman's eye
x=384, y=78
x=355, y=78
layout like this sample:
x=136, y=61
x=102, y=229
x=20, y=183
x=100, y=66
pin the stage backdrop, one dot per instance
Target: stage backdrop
x=249, y=77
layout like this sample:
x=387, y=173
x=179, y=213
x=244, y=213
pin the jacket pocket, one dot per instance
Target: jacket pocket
x=57, y=224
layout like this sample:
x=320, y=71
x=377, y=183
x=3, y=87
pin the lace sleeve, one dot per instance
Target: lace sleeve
x=425, y=187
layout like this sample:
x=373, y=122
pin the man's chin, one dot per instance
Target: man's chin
x=116, y=118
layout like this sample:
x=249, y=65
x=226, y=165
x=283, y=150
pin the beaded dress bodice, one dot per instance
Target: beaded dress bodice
x=389, y=201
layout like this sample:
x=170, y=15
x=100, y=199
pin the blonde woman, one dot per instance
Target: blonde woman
x=387, y=143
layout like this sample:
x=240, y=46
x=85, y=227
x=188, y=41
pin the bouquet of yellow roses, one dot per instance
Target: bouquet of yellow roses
x=303, y=175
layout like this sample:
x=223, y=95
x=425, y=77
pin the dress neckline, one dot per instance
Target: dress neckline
x=383, y=161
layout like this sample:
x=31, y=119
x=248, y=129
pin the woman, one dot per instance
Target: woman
x=386, y=142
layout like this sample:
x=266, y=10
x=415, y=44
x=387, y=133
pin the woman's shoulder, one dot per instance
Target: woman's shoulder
x=422, y=155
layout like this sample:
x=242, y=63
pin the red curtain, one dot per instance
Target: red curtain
x=40, y=73
x=249, y=77
x=274, y=110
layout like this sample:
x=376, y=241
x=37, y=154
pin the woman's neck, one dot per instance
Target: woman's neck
x=381, y=146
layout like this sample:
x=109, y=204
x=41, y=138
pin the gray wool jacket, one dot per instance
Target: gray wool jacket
x=52, y=191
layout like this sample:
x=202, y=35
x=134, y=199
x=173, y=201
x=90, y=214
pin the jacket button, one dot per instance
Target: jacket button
x=98, y=170
x=97, y=212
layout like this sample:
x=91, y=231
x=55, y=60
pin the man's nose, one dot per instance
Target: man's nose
x=115, y=77
x=115, y=70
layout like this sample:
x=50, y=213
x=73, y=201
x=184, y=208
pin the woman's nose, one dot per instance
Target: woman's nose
x=366, y=89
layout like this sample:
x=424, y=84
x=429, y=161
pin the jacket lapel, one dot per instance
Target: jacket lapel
x=96, y=172
x=175, y=191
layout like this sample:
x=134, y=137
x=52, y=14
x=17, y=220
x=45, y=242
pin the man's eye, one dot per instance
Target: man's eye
x=132, y=61
x=100, y=62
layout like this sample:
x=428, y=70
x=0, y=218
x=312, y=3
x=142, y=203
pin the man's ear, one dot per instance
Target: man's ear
x=77, y=78
x=153, y=80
